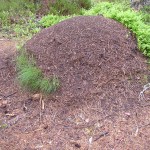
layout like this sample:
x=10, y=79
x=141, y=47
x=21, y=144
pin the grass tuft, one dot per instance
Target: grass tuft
x=31, y=77
x=49, y=85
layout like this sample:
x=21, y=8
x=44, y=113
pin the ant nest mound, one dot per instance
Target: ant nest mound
x=95, y=59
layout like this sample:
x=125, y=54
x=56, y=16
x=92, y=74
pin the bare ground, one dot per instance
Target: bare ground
x=88, y=126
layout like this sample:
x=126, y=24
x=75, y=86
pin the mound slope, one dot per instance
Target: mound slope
x=94, y=58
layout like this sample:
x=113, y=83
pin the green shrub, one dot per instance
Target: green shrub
x=64, y=7
x=4, y=17
x=50, y=20
x=13, y=8
x=15, y=5
x=17, y=18
x=26, y=27
x=69, y=7
x=145, y=11
x=86, y=4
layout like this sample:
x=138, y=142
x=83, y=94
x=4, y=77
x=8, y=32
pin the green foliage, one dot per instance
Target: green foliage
x=64, y=7
x=145, y=11
x=4, y=15
x=69, y=7
x=26, y=27
x=128, y=17
x=15, y=5
x=50, y=20
x=18, y=18
x=86, y=4
x=12, y=8
x=49, y=85
x=31, y=77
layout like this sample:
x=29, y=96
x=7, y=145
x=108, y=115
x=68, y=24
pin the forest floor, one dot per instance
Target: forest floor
x=25, y=126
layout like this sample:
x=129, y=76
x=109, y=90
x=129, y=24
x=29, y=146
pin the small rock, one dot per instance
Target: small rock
x=87, y=120
x=77, y=145
x=45, y=126
x=128, y=114
x=36, y=97
x=3, y=103
x=39, y=146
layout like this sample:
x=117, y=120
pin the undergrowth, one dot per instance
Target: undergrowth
x=51, y=19
x=145, y=11
x=31, y=77
x=69, y=7
x=18, y=19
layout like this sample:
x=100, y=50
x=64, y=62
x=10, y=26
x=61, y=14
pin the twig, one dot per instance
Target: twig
x=100, y=136
x=141, y=95
x=144, y=125
x=24, y=106
x=40, y=109
x=8, y=95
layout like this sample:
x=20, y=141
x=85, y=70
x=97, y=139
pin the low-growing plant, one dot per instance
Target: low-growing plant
x=69, y=7
x=145, y=11
x=50, y=20
x=26, y=27
x=85, y=4
x=17, y=18
x=64, y=7
x=31, y=77
x=11, y=9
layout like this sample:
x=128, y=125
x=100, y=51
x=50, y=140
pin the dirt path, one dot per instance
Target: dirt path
x=88, y=127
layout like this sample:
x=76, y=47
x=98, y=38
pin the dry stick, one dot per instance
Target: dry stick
x=41, y=106
x=8, y=95
x=100, y=136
